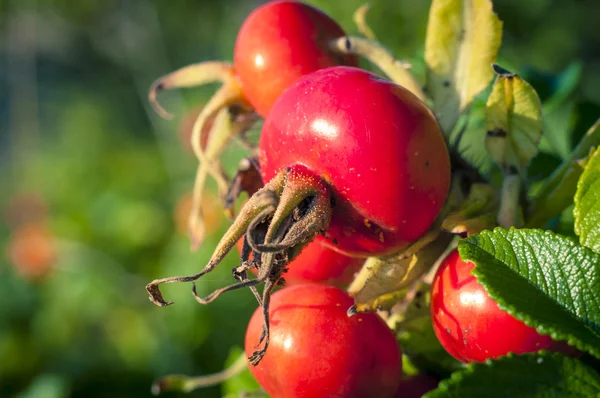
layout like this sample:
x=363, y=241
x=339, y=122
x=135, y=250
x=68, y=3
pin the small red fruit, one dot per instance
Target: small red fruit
x=280, y=42
x=378, y=148
x=318, y=263
x=316, y=350
x=471, y=326
x=346, y=153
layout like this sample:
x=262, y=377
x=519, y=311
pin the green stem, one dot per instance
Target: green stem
x=182, y=383
x=510, y=214
x=395, y=69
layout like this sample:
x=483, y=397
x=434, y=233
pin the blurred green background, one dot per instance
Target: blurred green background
x=94, y=184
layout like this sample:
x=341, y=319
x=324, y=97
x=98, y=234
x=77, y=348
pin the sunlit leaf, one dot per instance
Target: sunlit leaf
x=387, y=279
x=587, y=204
x=513, y=121
x=556, y=194
x=524, y=376
x=463, y=38
x=543, y=279
x=476, y=213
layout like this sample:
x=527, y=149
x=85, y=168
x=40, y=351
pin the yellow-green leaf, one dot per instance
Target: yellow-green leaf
x=557, y=192
x=513, y=120
x=463, y=38
x=385, y=281
x=476, y=213
x=587, y=204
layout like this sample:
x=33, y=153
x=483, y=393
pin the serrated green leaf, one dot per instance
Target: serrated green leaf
x=526, y=376
x=587, y=204
x=463, y=38
x=556, y=194
x=513, y=121
x=545, y=280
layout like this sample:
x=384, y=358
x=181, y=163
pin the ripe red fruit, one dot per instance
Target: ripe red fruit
x=471, y=326
x=277, y=44
x=319, y=263
x=317, y=351
x=344, y=152
x=378, y=148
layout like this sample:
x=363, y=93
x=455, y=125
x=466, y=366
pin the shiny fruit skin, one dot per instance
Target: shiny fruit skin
x=318, y=263
x=316, y=350
x=471, y=326
x=278, y=43
x=378, y=147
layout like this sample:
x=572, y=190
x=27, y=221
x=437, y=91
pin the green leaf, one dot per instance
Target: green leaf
x=545, y=280
x=525, y=376
x=382, y=282
x=556, y=194
x=463, y=38
x=414, y=329
x=513, y=121
x=587, y=204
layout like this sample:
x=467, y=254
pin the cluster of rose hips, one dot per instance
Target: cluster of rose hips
x=353, y=166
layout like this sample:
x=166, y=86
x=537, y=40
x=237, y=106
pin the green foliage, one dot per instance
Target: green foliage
x=463, y=38
x=587, y=203
x=513, y=121
x=557, y=191
x=543, y=279
x=527, y=376
x=422, y=350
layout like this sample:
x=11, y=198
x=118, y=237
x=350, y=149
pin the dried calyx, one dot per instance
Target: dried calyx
x=277, y=221
x=231, y=114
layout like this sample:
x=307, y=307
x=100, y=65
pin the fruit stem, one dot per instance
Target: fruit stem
x=395, y=69
x=510, y=213
x=298, y=205
x=263, y=199
x=186, y=384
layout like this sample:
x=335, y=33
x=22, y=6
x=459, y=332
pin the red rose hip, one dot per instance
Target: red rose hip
x=471, y=326
x=378, y=148
x=316, y=350
x=345, y=153
x=280, y=42
x=319, y=263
